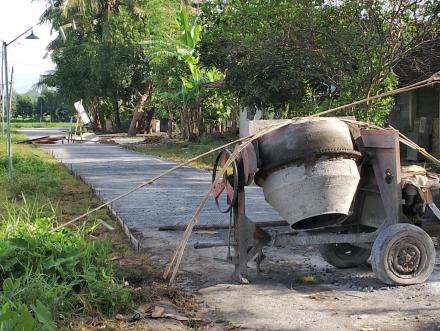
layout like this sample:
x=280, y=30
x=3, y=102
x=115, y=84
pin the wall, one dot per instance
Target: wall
x=409, y=108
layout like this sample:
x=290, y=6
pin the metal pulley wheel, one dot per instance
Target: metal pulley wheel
x=227, y=188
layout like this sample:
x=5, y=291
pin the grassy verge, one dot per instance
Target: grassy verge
x=77, y=278
x=181, y=151
x=17, y=125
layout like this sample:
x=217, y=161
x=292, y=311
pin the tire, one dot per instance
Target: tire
x=403, y=254
x=344, y=255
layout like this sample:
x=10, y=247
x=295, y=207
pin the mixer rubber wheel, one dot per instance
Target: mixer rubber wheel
x=403, y=254
x=344, y=255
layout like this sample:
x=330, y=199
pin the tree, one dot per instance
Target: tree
x=50, y=103
x=297, y=57
x=192, y=74
x=23, y=107
x=102, y=56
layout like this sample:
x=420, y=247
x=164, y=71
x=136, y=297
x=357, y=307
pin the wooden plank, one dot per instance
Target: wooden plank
x=263, y=224
x=28, y=141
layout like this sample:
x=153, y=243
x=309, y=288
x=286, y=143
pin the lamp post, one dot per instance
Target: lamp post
x=3, y=100
x=8, y=96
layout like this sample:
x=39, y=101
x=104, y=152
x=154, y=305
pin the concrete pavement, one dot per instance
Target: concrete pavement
x=111, y=170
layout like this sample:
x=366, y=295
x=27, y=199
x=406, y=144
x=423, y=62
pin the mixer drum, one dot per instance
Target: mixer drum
x=308, y=173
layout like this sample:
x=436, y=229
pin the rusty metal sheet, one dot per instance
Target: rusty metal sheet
x=378, y=138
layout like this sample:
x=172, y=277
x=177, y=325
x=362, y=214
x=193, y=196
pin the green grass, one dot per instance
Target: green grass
x=18, y=125
x=181, y=151
x=46, y=278
x=61, y=273
x=59, y=280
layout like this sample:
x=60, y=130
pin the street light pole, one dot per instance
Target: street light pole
x=8, y=105
x=3, y=97
x=8, y=94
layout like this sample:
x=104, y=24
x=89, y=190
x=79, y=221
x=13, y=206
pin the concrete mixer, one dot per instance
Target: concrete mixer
x=337, y=186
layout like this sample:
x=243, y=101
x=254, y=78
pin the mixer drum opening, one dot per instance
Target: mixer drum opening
x=320, y=221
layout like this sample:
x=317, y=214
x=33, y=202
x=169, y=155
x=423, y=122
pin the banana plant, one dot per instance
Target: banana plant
x=185, y=49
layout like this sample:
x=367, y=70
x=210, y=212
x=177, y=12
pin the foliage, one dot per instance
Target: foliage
x=299, y=57
x=23, y=107
x=195, y=101
x=101, y=60
x=288, y=58
x=46, y=103
x=49, y=103
x=52, y=274
x=45, y=277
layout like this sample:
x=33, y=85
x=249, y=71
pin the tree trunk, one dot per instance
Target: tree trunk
x=148, y=120
x=185, y=123
x=200, y=122
x=94, y=117
x=145, y=94
x=235, y=113
x=194, y=134
x=101, y=119
x=170, y=124
x=118, y=123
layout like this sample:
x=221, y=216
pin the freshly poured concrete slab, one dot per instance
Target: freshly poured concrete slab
x=112, y=170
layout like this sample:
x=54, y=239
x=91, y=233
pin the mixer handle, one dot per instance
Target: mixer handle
x=228, y=183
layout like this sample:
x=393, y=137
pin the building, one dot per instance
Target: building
x=416, y=113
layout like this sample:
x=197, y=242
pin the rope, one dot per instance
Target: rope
x=402, y=138
x=176, y=258
x=147, y=182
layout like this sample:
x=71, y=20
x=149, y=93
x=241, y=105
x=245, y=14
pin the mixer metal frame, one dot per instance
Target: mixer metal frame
x=380, y=175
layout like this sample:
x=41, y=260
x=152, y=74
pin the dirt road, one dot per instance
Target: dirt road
x=297, y=289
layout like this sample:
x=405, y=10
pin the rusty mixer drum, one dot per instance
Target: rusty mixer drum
x=308, y=172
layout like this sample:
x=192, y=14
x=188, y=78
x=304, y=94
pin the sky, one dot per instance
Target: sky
x=26, y=56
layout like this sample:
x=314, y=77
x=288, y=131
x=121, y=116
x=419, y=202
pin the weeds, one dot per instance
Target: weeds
x=50, y=280
x=48, y=276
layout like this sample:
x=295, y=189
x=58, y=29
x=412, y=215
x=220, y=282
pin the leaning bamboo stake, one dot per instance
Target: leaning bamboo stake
x=147, y=182
x=176, y=258
x=402, y=138
x=405, y=140
x=432, y=80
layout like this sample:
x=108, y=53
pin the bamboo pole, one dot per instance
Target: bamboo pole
x=432, y=80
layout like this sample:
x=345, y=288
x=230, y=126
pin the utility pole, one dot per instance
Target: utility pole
x=8, y=103
x=8, y=93
x=3, y=96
